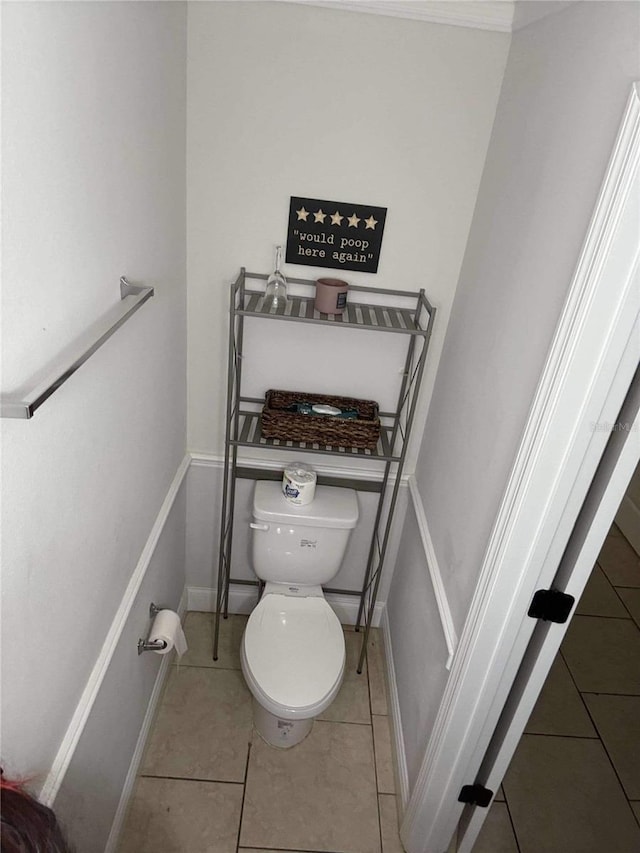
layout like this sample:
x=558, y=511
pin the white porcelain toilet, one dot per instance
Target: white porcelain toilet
x=293, y=652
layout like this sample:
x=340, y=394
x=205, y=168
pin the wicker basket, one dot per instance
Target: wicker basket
x=362, y=432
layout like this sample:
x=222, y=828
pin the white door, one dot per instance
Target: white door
x=588, y=374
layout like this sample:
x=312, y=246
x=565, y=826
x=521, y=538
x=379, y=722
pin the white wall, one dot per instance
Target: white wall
x=288, y=100
x=564, y=92
x=94, y=187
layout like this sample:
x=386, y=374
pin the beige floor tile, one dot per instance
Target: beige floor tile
x=198, y=629
x=377, y=673
x=603, y=655
x=600, y=598
x=203, y=727
x=617, y=719
x=619, y=562
x=389, y=824
x=384, y=756
x=351, y=705
x=496, y=835
x=559, y=709
x=631, y=599
x=636, y=810
x=318, y=795
x=174, y=815
x=499, y=798
x=563, y=795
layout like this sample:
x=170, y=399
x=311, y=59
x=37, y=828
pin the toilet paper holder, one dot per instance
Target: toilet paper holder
x=151, y=645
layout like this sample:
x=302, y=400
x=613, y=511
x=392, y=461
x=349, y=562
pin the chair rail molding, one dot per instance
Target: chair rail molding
x=446, y=619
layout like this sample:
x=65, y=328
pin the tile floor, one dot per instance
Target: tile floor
x=209, y=784
x=574, y=783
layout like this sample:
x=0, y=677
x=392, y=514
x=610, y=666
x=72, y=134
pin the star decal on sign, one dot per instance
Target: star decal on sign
x=353, y=221
x=302, y=214
x=336, y=219
x=371, y=222
x=320, y=216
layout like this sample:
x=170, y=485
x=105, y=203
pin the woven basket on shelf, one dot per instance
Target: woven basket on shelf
x=362, y=432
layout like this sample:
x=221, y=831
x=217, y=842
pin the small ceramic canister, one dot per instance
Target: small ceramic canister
x=331, y=295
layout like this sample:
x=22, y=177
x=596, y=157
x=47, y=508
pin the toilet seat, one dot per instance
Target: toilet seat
x=293, y=655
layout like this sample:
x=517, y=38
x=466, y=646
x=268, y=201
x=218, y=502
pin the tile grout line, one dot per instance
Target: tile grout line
x=624, y=604
x=511, y=821
x=604, y=616
x=204, y=666
x=287, y=850
x=244, y=793
x=607, y=693
x=626, y=607
x=373, y=748
x=566, y=737
x=318, y=721
x=600, y=616
x=188, y=779
x=615, y=590
x=593, y=723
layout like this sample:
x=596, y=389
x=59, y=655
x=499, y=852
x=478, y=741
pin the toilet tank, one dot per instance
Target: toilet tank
x=301, y=544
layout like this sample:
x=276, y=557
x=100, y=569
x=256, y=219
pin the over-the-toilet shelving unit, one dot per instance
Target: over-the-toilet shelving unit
x=407, y=313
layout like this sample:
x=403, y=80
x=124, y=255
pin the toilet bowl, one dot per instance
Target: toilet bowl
x=293, y=650
x=293, y=658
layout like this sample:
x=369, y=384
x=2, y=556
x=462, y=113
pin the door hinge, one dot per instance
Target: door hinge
x=475, y=795
x=551, y=605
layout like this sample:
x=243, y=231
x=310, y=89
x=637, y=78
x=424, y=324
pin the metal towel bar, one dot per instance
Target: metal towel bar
x=132, y=297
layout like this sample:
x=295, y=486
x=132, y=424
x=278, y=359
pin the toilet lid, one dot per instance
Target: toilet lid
x=294, y=648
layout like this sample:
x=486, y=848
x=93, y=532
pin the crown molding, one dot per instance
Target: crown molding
x=494, y=15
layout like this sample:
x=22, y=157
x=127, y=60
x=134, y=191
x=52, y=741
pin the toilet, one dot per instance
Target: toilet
x=293, y=652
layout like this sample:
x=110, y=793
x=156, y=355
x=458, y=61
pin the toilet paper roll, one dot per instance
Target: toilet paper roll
x=299, y=483
x=166, y=626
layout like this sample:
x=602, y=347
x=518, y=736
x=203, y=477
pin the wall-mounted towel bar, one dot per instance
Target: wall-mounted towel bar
x=132, y=297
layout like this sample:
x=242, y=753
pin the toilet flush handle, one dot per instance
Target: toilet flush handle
x=255, y=526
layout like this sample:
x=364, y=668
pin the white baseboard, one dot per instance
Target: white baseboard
x=451, y=638
x=242, y=599
x=132, y=773
x=402, y=774
x=87, y=700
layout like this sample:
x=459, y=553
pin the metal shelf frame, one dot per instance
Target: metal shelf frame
x=402, y=312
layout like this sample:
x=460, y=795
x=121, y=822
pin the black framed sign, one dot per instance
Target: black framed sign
x=335, y=234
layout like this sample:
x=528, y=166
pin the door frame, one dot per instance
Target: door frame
x=621, y=456
x=586, y=377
